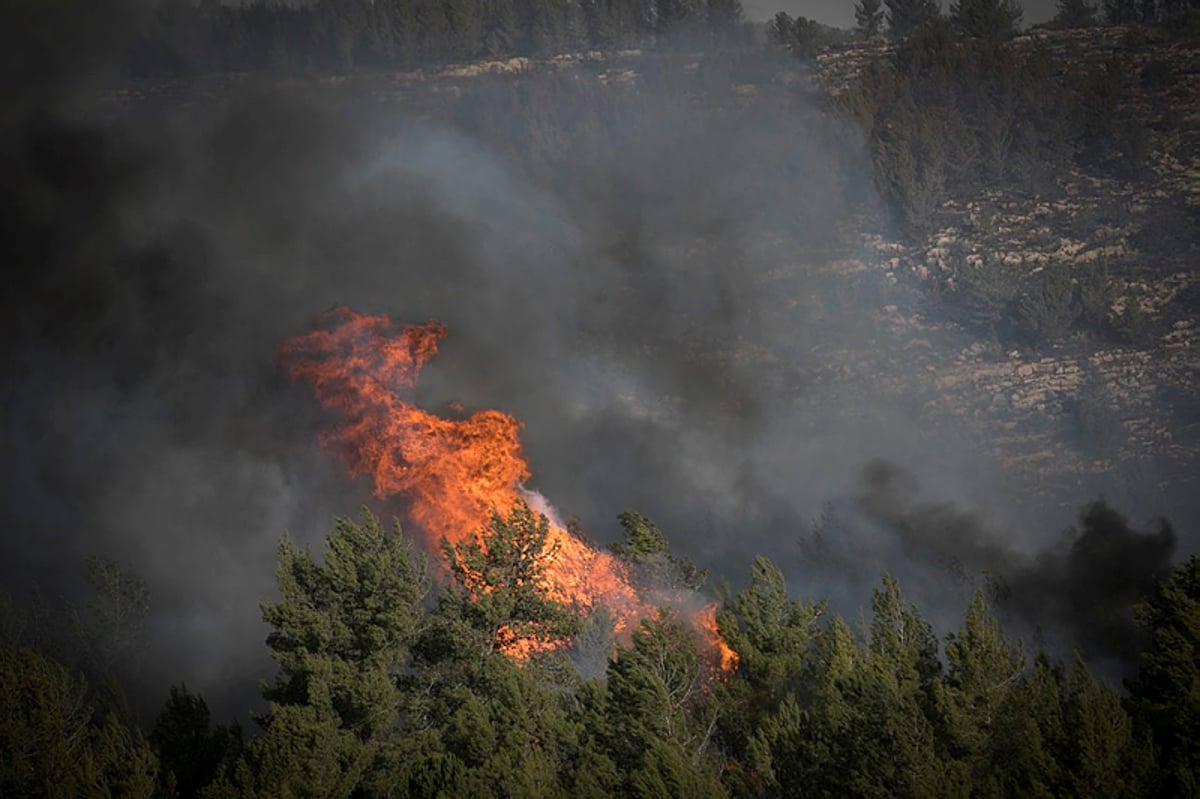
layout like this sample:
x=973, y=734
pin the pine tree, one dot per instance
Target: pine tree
x=646, y=551
x=54, y=743
x=905, y=17
x=189, y=748
x=1165, y=696
x=868, y=18
x=772, y=634
x=1100, y=742
x=982, y=669
x=902, y=638
x=465, y=19
x=987, y=20
x=724, y=17
x=657, y=711
x=503, y=582
x=342, y=633
x=1074, y=14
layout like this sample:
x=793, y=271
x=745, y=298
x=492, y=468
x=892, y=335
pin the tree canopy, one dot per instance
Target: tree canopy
x=386, y=690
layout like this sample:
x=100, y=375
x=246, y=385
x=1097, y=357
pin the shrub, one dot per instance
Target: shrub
x=1097, y=425
x=986, y=295
x=1158, y=74
x=1095, y=295
x=1049, y=307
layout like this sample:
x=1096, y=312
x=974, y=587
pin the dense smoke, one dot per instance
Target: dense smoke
x=608, y=262
x=1071, y=594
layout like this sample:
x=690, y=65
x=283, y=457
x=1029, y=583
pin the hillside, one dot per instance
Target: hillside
x=1062, y=413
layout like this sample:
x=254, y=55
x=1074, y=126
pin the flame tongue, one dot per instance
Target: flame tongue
x=452, y=471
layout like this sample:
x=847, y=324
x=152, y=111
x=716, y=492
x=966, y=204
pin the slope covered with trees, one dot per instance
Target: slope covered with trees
x=389, y=687
x=183, y=38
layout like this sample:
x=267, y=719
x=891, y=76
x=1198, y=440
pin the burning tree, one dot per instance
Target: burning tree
x=456, y=474
x=504, y=577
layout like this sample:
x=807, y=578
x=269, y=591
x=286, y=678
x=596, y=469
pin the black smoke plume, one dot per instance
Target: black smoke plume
x=630, y=267
x=1074, y=594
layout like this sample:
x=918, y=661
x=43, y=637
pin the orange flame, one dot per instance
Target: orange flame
x=452, y=471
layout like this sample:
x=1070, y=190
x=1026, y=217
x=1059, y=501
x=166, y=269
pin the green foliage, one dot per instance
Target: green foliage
x=902, y=639
x=1165, y=697
x=188, y=38
x=956, y=111
x=802, y=36
x=905, y=17
x=986, y=20
x=342, y=633
x=982, y=670
x=724, y=19
x=342, y=628
x=660, y=724
x=772, y=635
x=190, y=750
x=53, y=743
x=1100, y=746
x=646, y=551
x=986, y=294
x=1059, y=300
x=502, y=575
x=860, y=727
x=1049, y=305
x=382, y=696
x=1099, y=428
x=1134, y=325
x=1074, y=14
x=110, y=627
x=1096, y=295
x=868, y=18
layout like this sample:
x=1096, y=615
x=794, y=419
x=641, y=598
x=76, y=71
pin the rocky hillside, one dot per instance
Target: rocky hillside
x=1120, y=411
x=1063, y=413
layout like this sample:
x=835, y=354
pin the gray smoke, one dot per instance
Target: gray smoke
x=1072, y=594
x=632, y=271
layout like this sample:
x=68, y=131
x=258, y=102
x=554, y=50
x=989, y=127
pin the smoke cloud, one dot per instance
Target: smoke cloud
x=634, y=273
x=1075, y=593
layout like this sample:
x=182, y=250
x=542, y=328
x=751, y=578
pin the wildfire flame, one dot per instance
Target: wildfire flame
x=453, y=472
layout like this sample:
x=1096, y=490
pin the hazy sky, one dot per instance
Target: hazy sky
x=840, y=13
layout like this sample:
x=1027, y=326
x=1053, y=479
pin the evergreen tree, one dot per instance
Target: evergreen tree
x=547, y=27
x=676, y=16
x=982, y=670
x=905, y=17
x=402, y=18
x=433, y=29
x=502, y=577
x=646, y=551
x=658, y=715
x=902, y=639
x=772, y=635
x=464, y=36
x=1165, y=696
x=868, y=18
x=53, y=741
x=1121, y=12
x=341, y=635
x=859, y=725
x=501, y=29
x=987, y=20
x=1074, y=14
x=1100, y=748
x=189, y=749
x=724, y=18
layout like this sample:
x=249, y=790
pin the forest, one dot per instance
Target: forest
x=602, y=232
x=393, y=682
